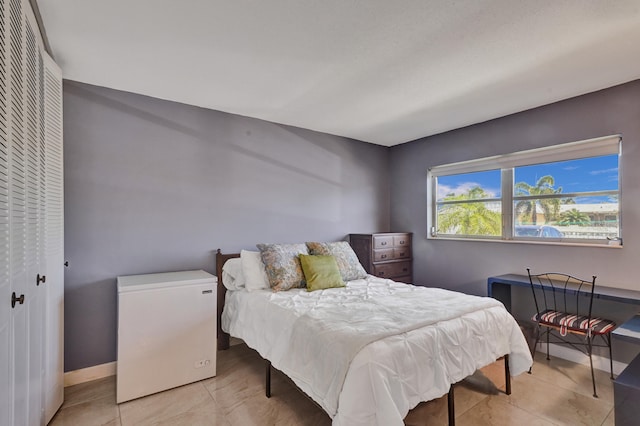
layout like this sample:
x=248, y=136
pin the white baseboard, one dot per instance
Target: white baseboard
x=90, y=373
x=574, y=355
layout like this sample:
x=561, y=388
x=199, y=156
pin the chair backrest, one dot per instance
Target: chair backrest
x=559, y=290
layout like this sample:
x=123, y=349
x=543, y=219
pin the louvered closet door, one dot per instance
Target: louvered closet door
x=35, y=225
x=31, y=231
x=6, y=379
x=18, y=216
x=54, y=238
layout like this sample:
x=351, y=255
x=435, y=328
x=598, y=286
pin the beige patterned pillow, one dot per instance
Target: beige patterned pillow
x=283, y=265
x=348, y=263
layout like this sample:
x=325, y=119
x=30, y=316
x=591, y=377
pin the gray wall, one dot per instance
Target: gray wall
x=153, y=186
x=465, y=265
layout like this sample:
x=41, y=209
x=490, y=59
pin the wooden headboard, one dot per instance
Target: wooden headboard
x=223, y=338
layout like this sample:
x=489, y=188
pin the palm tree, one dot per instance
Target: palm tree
x=574, y=217
x=528, y=209
x=469, y=218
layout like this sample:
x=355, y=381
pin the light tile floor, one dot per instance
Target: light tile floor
x=557, y=393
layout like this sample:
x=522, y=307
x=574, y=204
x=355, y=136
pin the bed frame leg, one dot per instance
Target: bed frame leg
x=507, y=375
x=451, y=408
x=223, y=341
x=268, y=379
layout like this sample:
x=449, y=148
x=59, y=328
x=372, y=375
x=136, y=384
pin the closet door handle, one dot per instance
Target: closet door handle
x=15, y=299
x=41, y=279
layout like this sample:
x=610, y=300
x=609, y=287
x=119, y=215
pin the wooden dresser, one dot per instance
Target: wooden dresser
x=385, y=255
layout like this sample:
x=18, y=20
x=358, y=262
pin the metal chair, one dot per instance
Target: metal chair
x=564, y=307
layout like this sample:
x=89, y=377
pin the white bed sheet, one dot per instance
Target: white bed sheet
x=412, y=352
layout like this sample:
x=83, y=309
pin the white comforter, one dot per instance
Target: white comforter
x=370, y=352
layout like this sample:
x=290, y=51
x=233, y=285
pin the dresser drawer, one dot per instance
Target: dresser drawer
x=383, y=255
x=402, y=268
x=401, y=240
x=402, y=253
x=382, y=241
x=407, y=279
x=392, y=270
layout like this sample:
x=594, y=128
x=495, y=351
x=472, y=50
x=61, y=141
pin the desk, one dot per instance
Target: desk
x=626, y=394
x=626, y=387
x=629, y=331
x=499, y=287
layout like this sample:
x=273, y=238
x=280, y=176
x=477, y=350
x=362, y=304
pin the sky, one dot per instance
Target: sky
x=582, y=175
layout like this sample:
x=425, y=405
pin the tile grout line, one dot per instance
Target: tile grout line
x=217, y=404
x=119, y=414
x=534, y=414
x=607, y=416
x=538, y=415
x=548, y=382
x=472, y=407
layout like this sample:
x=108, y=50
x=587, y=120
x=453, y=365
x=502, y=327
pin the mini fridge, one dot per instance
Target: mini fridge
x=166, y=331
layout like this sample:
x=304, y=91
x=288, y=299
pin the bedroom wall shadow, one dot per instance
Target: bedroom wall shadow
x=156, y=186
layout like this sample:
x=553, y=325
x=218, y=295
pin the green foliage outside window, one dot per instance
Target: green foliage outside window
x=574, y=217
x=527, y=210
x=564, y=194
x=469, y=218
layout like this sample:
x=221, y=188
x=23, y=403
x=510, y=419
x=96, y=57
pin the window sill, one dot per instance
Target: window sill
x=545, y=243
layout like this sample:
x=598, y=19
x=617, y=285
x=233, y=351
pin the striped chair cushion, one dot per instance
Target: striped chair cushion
x=573, y=322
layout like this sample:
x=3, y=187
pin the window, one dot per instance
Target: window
x=470, y=204
x=566, y=193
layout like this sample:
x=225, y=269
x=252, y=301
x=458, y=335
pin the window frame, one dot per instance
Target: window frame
x=602, y=146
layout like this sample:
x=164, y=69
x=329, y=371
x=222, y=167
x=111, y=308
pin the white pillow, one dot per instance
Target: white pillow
x=232, y=276
x=253, y=269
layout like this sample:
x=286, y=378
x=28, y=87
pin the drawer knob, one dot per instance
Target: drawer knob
x=405, y=269
x=402, y=254
x=384, y=243
x=384, y=256
x=402, y=242
x=380, y=274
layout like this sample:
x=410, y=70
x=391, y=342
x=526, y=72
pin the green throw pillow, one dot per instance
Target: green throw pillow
x=320, y=272
x=347, y=260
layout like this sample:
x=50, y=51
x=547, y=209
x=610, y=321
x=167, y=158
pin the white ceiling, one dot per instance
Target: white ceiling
x=380, y=71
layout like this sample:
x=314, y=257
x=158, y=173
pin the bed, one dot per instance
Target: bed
x=369, y=352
